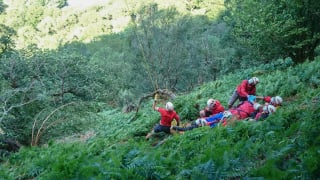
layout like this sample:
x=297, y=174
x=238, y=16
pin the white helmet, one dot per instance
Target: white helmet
x=256, y=106
x=269, y=109
x=201, y=122
x=253, y=80
x=276, y=100
x=211, y=102
x=169, y=106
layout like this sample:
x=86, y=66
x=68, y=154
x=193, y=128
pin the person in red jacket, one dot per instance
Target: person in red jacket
x=243, y=90
x=264, y=112
x=167, y=116
x=242, y=111
x=213, y=107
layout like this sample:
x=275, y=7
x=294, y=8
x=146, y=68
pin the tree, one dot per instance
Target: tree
x=2, y=6
x=170, y=46
x=277, y=28
x=6, y=42
x=159, y=44
x=34, y=80
x=6, y=33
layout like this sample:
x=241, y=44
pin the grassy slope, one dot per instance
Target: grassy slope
x=286, y=145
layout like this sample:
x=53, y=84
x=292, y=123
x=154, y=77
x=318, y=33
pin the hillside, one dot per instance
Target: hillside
x=77, y=81
x=283, y=146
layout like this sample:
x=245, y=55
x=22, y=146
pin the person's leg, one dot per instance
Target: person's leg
x=149, y=134
x=188, y=128
x=233, y=99
x=230, y=119
x=156, y=129
x=165, y=129
x=175, y=130
x=212, y=120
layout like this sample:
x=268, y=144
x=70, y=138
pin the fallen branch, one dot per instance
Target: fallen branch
x=164, y=95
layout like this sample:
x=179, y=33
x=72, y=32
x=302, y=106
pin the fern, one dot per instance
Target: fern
x=283, y=146
x=206, y=170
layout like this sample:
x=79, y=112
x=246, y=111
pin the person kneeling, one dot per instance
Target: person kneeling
x=167, y=116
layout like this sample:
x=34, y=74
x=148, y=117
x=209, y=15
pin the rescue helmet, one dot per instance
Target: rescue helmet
x=276, y=100
x=254, y=80
x=269, y=109
x=256, y=106
x=169, y=106
x=211, y=102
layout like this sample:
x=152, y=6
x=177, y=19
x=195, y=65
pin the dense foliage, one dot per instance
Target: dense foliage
x=285, y=145
x=53, y=56
x=276, y=29
x=66, y=72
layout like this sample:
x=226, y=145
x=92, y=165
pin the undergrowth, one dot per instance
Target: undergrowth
x=283, y=146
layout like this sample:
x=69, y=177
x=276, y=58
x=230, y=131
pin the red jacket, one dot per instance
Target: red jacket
x=243, y=111
x=244, y=89
x=167, y=117
x=217, y=108
x=267, y=99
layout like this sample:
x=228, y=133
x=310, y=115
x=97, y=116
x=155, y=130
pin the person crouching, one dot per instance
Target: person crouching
x=167, y=116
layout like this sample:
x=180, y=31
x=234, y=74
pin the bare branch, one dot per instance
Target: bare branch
x=7, y=106
x=43, y=127
x=165, y=94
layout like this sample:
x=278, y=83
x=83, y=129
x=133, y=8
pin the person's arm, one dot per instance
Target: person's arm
x=207, y=112
x=264, y=98
x=154, y=105
x=260, y=97
x=202, y=113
